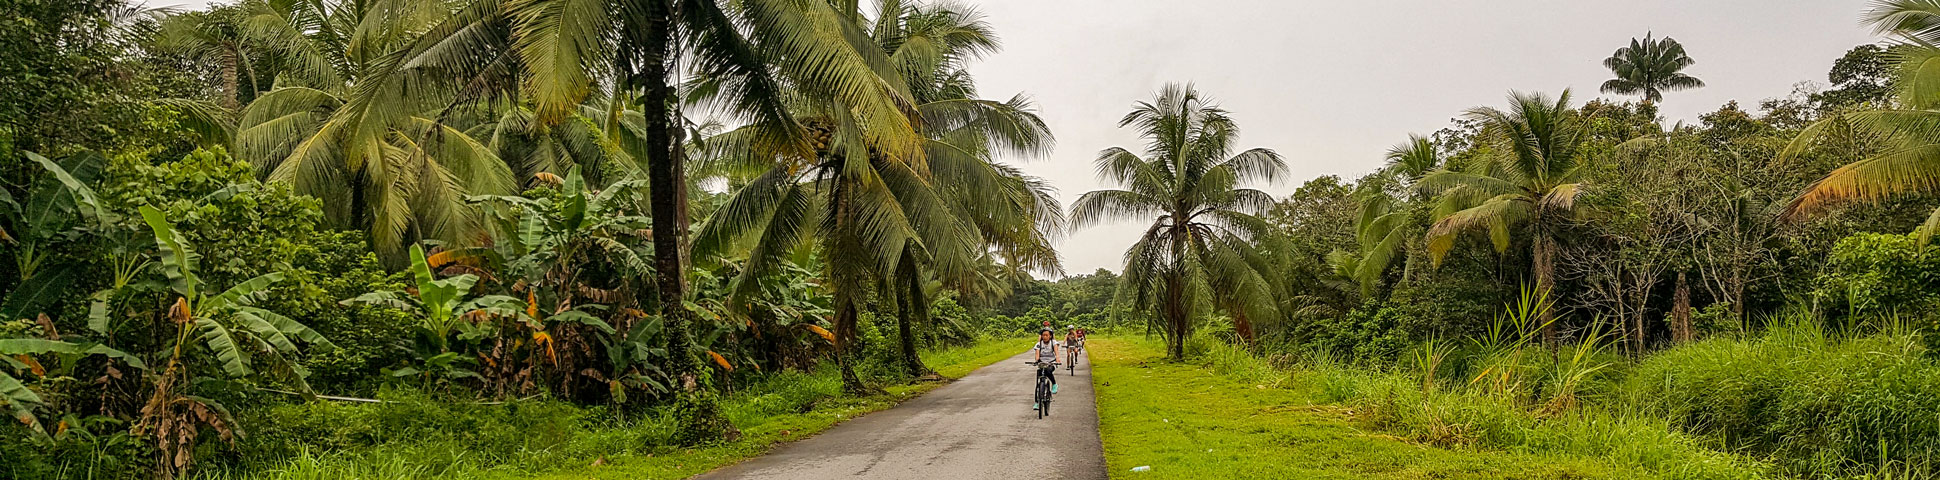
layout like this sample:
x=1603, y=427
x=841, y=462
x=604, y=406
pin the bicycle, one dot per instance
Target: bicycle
x=1043, y=388
x=1071, y=359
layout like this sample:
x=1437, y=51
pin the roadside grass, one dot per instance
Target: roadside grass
x=1230, y=418
x=556, y=441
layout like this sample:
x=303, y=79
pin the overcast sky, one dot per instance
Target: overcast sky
x=1331, y=85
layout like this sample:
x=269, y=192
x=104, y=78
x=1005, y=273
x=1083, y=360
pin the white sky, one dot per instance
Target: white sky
x=1331, y=85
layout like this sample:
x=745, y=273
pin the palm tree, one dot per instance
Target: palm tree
x=758, y=56
x=882, y=220
x=1650, y=67
x=343, y=124
x=1909, y=133
x=1528, y=179
x=1385, y=222
x=1188, y=184
x=215, y=37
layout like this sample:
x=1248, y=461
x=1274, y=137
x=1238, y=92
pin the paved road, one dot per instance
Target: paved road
x=979, y=427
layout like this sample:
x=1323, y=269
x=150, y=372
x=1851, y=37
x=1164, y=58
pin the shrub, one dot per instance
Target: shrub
x=1813, y=403
x=1874, y=273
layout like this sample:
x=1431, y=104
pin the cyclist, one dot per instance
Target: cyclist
x=1046, y=352
x=1072, y=341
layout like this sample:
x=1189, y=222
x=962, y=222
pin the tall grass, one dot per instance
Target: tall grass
x=1813, y=401
x=1799, y=399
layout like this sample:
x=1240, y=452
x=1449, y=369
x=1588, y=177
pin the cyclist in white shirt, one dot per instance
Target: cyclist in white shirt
x=1046, y=353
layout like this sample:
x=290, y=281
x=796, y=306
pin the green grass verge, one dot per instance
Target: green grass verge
x=1187, y=421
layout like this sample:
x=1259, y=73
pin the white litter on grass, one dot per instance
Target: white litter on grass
x=1142, y=468
x=1164, y=420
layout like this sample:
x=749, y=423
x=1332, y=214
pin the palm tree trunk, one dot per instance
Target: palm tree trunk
x=1175, y=299
x=231, y=80
x=845, y=327
x=702, y=421
x=914, y=305
x=664, y=194
x=1175, y=318
x=1544, y=266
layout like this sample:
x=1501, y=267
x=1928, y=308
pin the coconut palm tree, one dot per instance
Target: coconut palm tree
x=882, y=220
x=1188, y=184
x=1650, y=67
x=346, y=123
x=1908, y=133
x=1528, y=181
x=559, y=56
x=1385, y=222
x=757, y=56
x=215, y=37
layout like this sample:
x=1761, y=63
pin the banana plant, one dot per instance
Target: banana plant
x=228, y=323
x=444, y=314
x=21, y=357
x=58, y=207
x=234, y=330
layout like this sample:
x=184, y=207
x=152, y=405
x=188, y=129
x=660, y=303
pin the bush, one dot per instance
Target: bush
x=438, y=431
x=1874, y=273
x=1394, y=400
x=1813, y=403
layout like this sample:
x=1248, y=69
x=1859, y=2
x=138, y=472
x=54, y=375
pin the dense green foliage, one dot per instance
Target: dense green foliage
x=399, y=238
x=413, y=249
x=1745, y=283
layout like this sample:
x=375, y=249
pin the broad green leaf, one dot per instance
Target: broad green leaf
x=125, y=357
x=21, y=400
x=36, y=346
x=288, y=326
x=439, y=296
x=384, y=299
x=234, y=359
x=178, y=260
x=46, y=286
x=265, y=331
x=583, y=318
x=68, y=194
x=574, y=211
x=236, y=294
x=98, y=311
x=532, y=230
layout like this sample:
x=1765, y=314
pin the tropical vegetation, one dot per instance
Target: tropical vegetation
x=513, y=238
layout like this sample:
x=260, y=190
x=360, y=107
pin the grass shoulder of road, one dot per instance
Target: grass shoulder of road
x=1186, y=422
x=762, y=433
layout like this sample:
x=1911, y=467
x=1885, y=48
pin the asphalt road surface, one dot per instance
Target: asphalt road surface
x=979, y=427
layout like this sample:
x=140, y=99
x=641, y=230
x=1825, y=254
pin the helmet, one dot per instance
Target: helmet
x=1045, y=330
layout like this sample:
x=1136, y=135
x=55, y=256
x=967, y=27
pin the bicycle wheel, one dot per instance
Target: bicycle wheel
x=1043, y=398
